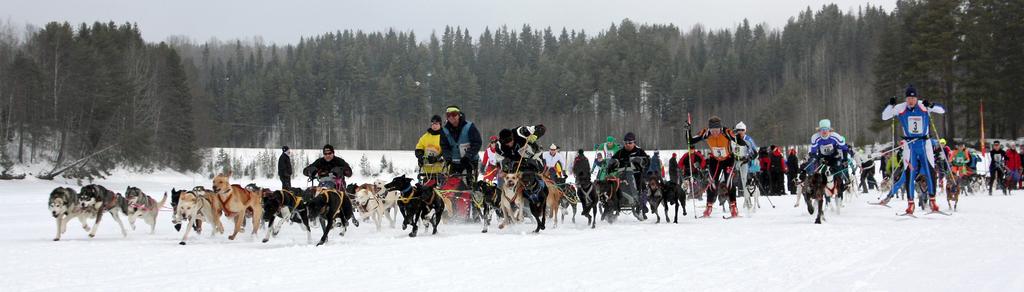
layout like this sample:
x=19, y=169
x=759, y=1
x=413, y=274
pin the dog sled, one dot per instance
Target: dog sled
x=457, y=189
x=619, y=192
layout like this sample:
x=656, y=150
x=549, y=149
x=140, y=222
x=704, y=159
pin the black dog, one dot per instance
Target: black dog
x=608, y=194
x=664, y=193
x=536, y=193
x=288, y=205
x=97, y=199
x=328, y=204
x=587, y=192
x=485, y=198
x=416, y=203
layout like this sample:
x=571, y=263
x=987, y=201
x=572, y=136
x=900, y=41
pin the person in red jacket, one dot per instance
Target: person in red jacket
x=777, y=169
x=697, y=165
x=1020, y=152
x=1013, y=165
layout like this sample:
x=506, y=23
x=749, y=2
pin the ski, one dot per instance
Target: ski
x=906, y=214
x=939, y=212
x=731, y=217
x=879, y=204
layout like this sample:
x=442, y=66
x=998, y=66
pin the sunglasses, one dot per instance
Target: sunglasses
x=630, y=142
x=452, y=114
x=328, y=153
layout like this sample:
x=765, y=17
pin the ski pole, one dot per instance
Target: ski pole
x=689, y=162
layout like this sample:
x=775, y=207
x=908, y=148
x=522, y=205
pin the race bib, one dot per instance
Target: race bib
x=739, y=151
x=719, y=152
x=915, y=125
x=826, y=149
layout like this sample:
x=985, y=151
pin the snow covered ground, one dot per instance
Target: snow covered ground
x=866, y=248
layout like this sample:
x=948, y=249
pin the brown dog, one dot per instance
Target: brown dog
x=236, y=201
x=554, y=197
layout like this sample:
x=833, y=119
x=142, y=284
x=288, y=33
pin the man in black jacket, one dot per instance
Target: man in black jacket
x=330, y=170
x=623, y=159
x=673, y=169
x=581, y=167
x=284, y=168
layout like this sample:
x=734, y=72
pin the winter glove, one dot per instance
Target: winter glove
x=928, y=104
x=531, y=139
x=892, y=100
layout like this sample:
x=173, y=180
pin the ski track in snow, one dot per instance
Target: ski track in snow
x=866, y=248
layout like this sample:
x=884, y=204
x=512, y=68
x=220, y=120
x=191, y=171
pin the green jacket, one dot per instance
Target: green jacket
x=607, y=150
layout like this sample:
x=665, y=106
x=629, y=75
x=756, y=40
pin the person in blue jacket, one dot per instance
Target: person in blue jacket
x=915, y=121
x=460, y=143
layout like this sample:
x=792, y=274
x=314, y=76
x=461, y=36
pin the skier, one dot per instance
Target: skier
x=685, y=166
x=916, y=123
x=747, y=158
x=720, y=164
x=961, y=161
x=460, y=143
x=830, y=151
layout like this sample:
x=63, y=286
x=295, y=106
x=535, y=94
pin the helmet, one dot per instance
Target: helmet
x=741, y=126
x=942, y=141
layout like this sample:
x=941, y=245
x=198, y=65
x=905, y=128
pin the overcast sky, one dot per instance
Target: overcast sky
x=285, y=21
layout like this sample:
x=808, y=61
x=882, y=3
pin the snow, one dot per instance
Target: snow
x=866, y=248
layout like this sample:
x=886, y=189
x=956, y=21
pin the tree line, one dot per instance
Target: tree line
x=157, y=104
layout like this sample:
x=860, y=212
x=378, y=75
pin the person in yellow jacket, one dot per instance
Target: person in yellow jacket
x=428, y=149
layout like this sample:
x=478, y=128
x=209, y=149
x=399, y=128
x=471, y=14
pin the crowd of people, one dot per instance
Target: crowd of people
x=451, y=146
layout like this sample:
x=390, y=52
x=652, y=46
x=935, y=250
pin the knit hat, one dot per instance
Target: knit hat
x=505, y=135
x=714, y=122
x=825, y=124
x=285, y=148
x=741, y=126
x=630, y=137
x=493, y=138
x=911, y=91
x=610, y=139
